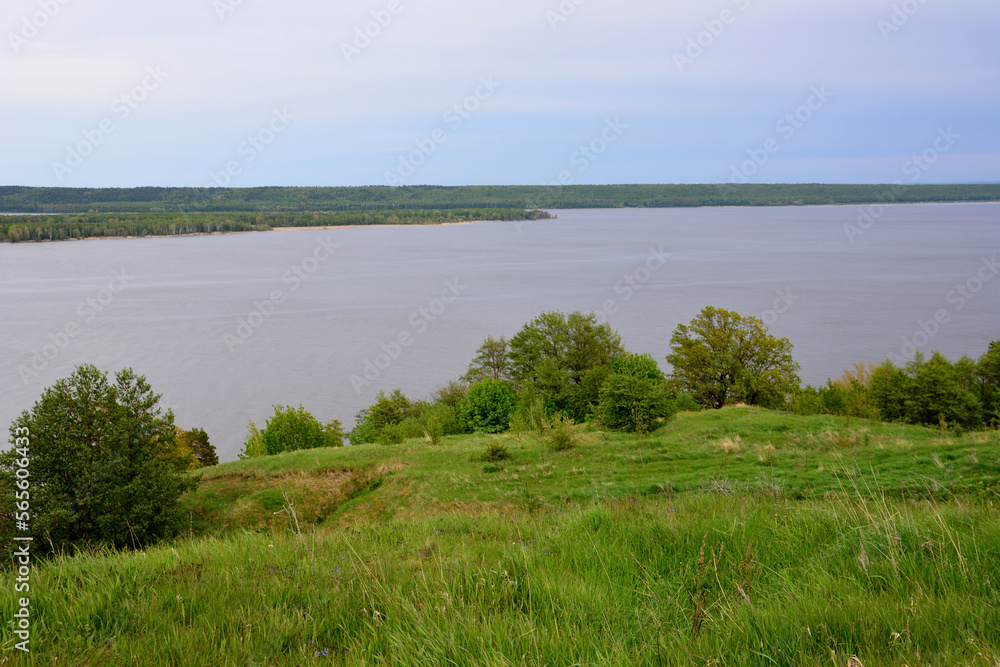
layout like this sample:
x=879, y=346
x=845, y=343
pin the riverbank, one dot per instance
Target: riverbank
x=19, y=229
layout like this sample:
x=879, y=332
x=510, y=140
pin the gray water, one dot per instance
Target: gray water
x=176, y=311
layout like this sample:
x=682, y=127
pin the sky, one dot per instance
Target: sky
x=245, y=93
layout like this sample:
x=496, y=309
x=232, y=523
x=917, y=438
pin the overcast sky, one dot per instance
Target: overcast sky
x=262, y=92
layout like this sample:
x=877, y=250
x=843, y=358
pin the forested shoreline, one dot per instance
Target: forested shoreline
x=19, y=199
x=24, y=228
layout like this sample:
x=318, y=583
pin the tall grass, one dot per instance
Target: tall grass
x=423, y=570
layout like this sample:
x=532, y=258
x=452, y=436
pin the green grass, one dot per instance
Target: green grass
x=738, y=537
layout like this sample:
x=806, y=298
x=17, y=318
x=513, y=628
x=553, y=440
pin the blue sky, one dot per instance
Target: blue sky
x=261, y=92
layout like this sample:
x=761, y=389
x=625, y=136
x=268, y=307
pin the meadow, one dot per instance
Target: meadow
x=733, y=537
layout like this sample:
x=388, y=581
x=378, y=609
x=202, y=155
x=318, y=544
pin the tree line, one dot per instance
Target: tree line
x=108, y=466
x=15, y=229
x=18, y=199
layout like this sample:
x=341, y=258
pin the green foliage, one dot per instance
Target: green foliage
x=586, y=558
x=494, y=201
x=560, y=433
x=435, y=428
x=291, y=429
x=806, y=402
x=935, y=395
x=452, y=395
x=253, y=446
x=988, y=371
x=641, y=366
x=16, y=229
x=488, y=406
x=564, y=359
x=179, y=453
x=392, y=434
x=491, y=361
x=197, y=441
x=684, y=402
x=495, y=452
x=635, y=395
x=437, y=416
x=97, y=474
x=388, y=410
x=723, y=358
x=363, y=432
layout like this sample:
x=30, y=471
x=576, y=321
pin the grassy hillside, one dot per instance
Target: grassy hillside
x=734, y=537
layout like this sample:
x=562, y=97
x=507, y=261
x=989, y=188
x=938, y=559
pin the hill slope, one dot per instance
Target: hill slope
x=739, y=536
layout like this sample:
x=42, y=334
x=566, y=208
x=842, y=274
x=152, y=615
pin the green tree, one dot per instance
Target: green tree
x=635, y=394
x=491, y=361
x=178, y=451
x=888, y=388
x=96, y=475
x=723, y=358
x=197, y=441
x=291, y=429
x=565, y=359
x=387, y=410
x=253, y=446
x=988, y=371
x=936, y=395
x=488, y=406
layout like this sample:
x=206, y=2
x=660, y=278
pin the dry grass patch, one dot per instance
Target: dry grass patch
x=729, y=445
x=256, y=499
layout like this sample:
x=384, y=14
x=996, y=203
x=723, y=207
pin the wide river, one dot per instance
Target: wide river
x=226, y=326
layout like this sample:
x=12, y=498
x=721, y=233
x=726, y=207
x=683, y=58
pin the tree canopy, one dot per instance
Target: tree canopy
x=723, y=358
x=290, y=429
x=97, y=474
x=635, y=394
x=565, y=358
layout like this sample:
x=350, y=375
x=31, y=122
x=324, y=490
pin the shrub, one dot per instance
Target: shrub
x=487, y=407
x=684, y=402
x=635, y=395
x=435, y=429
x=291, y=429
x=363, y=433
x=253, y=446
x=561, y=433
x=388, y=410
x=496, y=451
x=391, y=435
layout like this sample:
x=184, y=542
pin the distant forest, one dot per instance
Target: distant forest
x=18, y=228
x=15, y=199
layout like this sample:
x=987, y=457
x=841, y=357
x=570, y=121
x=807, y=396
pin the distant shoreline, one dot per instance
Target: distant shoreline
x=264, y=231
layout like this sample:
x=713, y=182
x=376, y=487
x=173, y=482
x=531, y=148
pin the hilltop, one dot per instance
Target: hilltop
x=737, y=536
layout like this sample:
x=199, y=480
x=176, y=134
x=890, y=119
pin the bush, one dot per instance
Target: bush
x=635, y=395
x=487, y=407
x=363, y=433
x=391, y=435
x=253, y=446
x=288, y=430
x=561, y=433
x=684, y=402
x=388, y=410
x=435, y=429
x=496, y=451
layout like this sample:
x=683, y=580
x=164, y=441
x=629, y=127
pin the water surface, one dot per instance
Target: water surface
x=175, y=309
